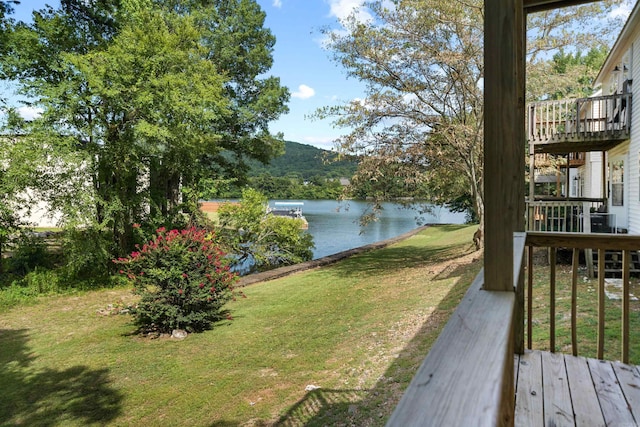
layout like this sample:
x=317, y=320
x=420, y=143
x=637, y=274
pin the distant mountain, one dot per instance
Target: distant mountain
x=305, y=161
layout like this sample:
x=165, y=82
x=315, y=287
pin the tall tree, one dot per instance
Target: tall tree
x=241, y=47
x=141, y=96
x=422, y=118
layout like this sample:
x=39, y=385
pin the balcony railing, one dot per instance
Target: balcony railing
x=571, y=216
x=602, y=118
x=546, y=160
x=575, y=243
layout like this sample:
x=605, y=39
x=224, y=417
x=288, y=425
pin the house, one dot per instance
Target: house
x=480, y=370
x=597, y=183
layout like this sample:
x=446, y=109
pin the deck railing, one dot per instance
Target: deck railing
x=577, y=242
x=571, y=216
x=600, y=117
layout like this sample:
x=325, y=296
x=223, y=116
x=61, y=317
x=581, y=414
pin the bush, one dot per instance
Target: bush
x=29, y=252
x=183, y=279
x=263, y=241
x=88, y=252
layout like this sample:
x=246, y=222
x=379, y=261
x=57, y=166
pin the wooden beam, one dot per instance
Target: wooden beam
x=550, y=239
x=467, y=377
x=518, y=274
x=532, y=6
x=504, y=138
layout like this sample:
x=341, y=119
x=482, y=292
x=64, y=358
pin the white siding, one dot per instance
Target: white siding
x=592, y=175
x=634, y=145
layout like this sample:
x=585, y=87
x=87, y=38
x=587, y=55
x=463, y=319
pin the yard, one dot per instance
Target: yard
x=330, y=346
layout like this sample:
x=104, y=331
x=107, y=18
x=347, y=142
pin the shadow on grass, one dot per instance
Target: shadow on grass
x=372, y=407
x=47, y=397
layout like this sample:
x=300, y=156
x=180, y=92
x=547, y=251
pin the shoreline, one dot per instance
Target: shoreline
x=279, y=272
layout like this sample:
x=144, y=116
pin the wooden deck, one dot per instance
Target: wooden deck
x=554, y=389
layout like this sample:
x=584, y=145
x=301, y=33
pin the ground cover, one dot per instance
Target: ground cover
x=331, y=346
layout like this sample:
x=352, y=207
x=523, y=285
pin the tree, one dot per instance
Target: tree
x=422, y=119
x=236, y=41
x=145, y=101
x=566, y=75
x=264, y=241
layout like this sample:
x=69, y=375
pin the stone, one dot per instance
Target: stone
x=179, y=334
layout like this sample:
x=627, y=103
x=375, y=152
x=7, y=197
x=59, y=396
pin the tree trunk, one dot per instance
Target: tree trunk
x=478, y=236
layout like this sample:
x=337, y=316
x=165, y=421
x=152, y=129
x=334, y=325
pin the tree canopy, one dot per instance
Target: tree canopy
x=140, y=100
x=421, y=122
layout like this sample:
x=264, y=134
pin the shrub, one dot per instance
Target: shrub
x=183, y=279
x=29, y=252
x=88, y=252
x=263, y=241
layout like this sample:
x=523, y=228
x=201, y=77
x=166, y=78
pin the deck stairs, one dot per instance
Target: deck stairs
x=613, y=263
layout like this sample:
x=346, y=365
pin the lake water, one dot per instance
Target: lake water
x=335, y=227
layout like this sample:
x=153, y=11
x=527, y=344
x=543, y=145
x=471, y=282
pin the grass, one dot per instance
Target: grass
x=358, y=330
x=587, y=315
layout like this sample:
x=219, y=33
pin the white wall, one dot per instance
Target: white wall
x=634, y=144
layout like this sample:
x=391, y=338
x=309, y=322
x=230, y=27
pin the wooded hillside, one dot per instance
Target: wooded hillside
x=305, y=161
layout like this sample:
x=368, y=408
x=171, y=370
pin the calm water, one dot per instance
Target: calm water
x=335, y=226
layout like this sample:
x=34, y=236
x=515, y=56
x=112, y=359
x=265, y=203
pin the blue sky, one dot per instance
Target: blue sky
x=313, y=79
x=300, y=61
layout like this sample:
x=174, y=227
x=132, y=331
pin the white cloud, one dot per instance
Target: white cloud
x=304, y=92
x=324, y=142
x=342, y=9
x=29, y=113
x=622, y=11
x=277, y=3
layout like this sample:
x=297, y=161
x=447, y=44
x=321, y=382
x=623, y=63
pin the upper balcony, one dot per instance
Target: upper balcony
x=579, y=125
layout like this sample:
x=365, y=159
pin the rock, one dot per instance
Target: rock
x=311, y=387
x=179, y=334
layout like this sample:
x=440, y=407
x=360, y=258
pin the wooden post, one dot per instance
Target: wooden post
x=532, y=174
x=626, y=266
x=601, y=301
x=586, y=228
x=567, y=179
x=574, y=301
x=504, y=138
x=605, y=196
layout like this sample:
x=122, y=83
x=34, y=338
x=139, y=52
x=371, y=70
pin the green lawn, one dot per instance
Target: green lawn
x=357, y=329
x=587, y=315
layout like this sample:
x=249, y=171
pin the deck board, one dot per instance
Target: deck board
x=586, y=407
x=629, y=379
x=612, y=402
x=529, y=410
x=555, y=389
x=558, y=410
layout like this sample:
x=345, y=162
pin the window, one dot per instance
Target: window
x=617, y=183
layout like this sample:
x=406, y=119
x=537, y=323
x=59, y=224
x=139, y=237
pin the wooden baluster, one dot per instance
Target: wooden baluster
x=552, y=299
x=554, y=118
x=577, y=121
x=574, y=300
x=626, y=265
x=601, y=296
x=547, y=121
x=529, y=295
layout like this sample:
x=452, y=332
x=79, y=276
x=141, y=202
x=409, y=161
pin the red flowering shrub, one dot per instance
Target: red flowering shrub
x=183, y=279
